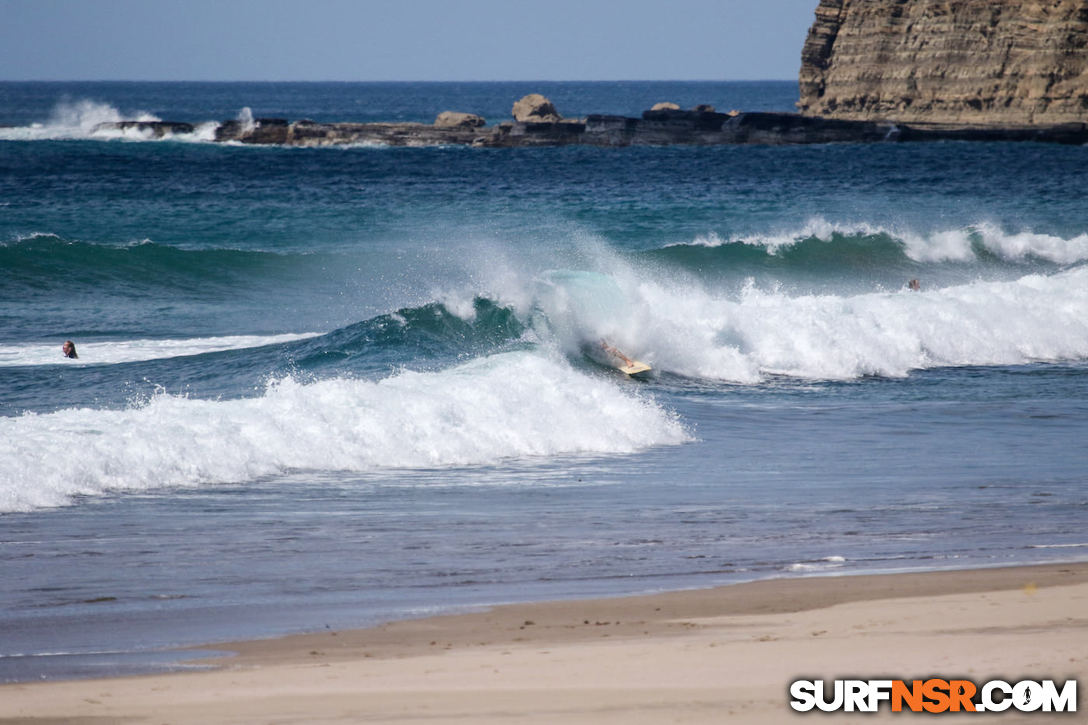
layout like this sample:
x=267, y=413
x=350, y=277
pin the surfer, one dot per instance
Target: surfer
x=914, y=285
x=616, y=353
x=69, y=349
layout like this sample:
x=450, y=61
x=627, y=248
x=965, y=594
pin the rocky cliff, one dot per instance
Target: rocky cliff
x=966, y=62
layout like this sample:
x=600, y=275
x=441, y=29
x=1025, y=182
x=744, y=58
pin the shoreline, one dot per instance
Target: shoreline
x=781, y=595
x=700, y=652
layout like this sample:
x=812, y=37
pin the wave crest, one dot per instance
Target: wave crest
x=834, y=240
x=763, y=331
x=516, y=405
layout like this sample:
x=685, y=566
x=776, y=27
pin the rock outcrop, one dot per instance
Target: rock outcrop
x=153, y=129
x=965, y=62
x=455, y=119
x=535, y=108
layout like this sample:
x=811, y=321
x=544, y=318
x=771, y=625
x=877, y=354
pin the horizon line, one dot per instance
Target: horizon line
x=503, y=80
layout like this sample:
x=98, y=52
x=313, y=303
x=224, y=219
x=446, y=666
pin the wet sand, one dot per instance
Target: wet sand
x=724, y=654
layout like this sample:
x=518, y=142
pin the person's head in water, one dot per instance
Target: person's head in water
x=69, y=349
x=914, y=285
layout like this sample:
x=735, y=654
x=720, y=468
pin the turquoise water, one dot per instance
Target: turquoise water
x=327, y=387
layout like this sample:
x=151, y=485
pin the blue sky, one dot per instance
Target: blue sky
x=402, y=39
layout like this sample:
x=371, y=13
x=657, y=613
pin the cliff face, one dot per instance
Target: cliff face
x=1001, y=62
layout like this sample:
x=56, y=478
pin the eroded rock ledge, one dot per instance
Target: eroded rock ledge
x=663, y=125
x=966, y=62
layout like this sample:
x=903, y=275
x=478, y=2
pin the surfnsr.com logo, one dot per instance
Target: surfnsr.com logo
x=933, y=695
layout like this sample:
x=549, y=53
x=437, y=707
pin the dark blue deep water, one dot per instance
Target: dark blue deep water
x=340, y=385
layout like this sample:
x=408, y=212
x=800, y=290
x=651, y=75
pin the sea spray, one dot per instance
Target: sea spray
x=245, y=119
x=756, y=327
x=90, y=119
x=764, y=331
x=515, y=405
x=75, y=119
x=82, y=117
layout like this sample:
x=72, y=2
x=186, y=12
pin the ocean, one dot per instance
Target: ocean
x=329, y=387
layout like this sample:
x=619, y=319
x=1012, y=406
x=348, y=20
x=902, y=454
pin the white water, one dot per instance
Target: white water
x=126, y=351
x=73, y=119
x=682, y=328
x=829, y=337
x=81, y=119
x=952, y=245
x=515, y=405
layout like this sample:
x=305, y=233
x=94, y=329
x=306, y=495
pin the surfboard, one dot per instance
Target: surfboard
x=634, y=368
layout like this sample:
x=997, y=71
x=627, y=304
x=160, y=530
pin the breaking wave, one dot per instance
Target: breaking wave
x=85, y=119
x=829, y=244
x=762, y=331
x=515, y=405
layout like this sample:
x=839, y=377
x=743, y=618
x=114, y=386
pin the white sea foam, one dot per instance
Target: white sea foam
x=816, y=227
x=82, y=120
x=245, y=118
x=1058, y=546
x=1025, y=244
x=683, y=328
x=125, y=351
x=72, y=119
x=19, y=238
x=513, y=405
x=949, y=245
x=827, y=563
x=829, y=337
x=202, y=132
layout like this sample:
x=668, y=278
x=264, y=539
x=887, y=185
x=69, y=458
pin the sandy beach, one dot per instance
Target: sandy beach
x=724, y=654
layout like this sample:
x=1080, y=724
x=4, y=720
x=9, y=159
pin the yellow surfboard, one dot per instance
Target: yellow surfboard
x=634, y=368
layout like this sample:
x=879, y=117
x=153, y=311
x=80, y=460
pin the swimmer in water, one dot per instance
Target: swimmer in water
x=69, y=350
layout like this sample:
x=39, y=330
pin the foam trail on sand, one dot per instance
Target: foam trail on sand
x=514, y=405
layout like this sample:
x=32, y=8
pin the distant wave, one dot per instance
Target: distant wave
x=830, y=245
x=43, y=261
x=515, y=405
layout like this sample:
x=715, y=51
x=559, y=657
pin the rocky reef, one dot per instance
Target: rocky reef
x=960, y=62
x=664, y=125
